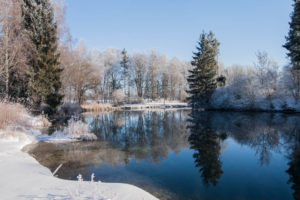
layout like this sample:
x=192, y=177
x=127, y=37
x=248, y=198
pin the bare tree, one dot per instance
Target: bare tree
x=267, y=74
x=13, y=40
x=152, y=75
x=139, y=62
x=79, y=75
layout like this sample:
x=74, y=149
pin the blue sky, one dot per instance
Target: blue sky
x=173, y=26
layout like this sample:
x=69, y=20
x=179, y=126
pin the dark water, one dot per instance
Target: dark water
x=183, y=155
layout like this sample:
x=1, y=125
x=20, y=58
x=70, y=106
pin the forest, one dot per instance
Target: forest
x=44, y=67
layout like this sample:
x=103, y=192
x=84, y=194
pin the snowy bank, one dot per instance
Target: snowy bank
x=225, y=99
x=160, y=104
x=22, y=177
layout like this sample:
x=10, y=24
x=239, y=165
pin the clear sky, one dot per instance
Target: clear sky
x=173, y=26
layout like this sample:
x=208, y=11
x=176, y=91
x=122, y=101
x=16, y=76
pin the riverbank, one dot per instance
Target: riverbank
x=22, y=177
x=105, y=107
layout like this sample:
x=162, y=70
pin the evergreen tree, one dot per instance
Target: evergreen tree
x=45, y=72
x=293, y=38
x=18, y=85
x=202, y=78
x=125, y=72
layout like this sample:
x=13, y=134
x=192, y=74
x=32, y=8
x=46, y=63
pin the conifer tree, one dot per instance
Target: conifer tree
x=293, y=46
x=202, y=78
x=45, y=83
x=293, y=38
x=125, y=72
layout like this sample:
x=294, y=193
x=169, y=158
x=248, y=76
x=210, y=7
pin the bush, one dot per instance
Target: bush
x=76, y=130
x=118, y=97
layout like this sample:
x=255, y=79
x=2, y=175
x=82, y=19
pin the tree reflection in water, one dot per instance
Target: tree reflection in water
x=294, y=162
x=126, y=137
x=144, y=134
x=206, y=143
x=265, y=133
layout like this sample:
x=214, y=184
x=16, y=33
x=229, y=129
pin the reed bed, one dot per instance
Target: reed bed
x=98, y=107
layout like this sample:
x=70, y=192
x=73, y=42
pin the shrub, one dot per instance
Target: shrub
x=12, y=114
x=76, y=130
x=118, y=97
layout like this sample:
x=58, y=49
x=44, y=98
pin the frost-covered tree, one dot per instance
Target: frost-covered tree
x=45, y=83
x=14, y=46
x=80, y=74
x=139, y=62
x=165, y=90
x=266, y=75
x=202, y=78
x=152, y=75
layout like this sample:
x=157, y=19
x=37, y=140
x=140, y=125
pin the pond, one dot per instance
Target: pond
x=177, y=154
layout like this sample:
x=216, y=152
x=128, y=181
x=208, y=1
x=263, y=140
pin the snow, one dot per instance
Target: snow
x=22, y=177
x=156, y=104
x=226, y=98
x=262, y=88
x=76, y=130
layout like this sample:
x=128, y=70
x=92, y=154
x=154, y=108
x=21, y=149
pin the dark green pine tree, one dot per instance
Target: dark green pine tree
x=202, y=78
x=293, y=39
x=125, y=72
x=45, y=83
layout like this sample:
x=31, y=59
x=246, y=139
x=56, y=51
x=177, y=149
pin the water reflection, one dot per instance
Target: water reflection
x=264, y=133
x=165, y=152
x=144, y=135
x=206, y=143
x=294, y=162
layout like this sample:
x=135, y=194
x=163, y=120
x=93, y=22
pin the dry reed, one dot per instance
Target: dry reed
x=97, y=107
x=12, y=114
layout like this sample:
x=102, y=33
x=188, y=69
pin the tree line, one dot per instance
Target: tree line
x=42, y=65
x=262, y=86
x=115, y=75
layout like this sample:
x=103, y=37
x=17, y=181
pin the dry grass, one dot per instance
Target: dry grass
x=16, y=116
x=97, y=107
x=12, y=114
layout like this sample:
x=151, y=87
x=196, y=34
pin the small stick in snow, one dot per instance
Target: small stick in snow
x=53, y=174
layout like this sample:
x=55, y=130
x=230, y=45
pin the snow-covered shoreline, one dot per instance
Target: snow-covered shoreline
x=22, y=177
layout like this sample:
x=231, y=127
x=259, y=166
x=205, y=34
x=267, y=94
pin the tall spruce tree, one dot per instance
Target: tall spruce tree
x=293, y=39
x=125, y=72
x=45, y=83
x=293, y=46
x=202, y=78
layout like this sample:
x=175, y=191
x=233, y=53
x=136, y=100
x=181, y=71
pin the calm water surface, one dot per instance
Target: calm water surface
x=184, y=155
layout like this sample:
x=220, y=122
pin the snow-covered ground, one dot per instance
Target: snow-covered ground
x=22, y=177
x=155, y=104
